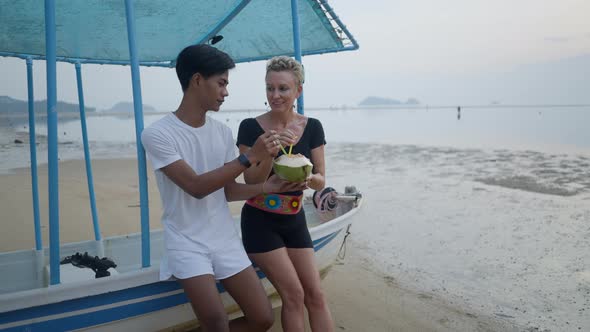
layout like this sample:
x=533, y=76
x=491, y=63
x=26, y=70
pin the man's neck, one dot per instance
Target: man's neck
x=190, y=112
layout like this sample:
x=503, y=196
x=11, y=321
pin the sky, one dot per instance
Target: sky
x=454, y=52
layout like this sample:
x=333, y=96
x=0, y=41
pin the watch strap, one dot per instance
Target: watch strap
x=244, y=160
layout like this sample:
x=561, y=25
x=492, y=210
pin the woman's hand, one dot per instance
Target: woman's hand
x=315, y=181
x=287, y=137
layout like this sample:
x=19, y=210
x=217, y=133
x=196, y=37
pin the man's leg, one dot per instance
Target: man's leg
x=245, y=288
x=206, y=302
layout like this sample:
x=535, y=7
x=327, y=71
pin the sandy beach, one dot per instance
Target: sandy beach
x=117, y=201
x=364, y=299
x=361, y=297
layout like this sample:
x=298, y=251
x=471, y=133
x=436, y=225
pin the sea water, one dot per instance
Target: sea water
x=488, y=208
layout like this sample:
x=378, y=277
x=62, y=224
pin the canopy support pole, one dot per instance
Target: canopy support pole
x=222, y=23
x=138, y=111
x=33, y=152
x=297, y=46
x=89, y=178
x=52, y=159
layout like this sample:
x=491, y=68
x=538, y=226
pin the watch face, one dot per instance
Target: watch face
x=244, y=160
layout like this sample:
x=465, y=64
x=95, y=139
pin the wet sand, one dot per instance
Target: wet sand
x=502, y=233
x=362, y=298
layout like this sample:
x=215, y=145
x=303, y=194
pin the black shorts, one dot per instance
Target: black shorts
x=265, y=231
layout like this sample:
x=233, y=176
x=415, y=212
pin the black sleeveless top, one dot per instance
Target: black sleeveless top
x=312, y=137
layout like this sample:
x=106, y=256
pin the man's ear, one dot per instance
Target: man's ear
x=196, y=79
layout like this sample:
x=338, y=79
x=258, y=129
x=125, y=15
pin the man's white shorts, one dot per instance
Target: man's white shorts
x=222, y=263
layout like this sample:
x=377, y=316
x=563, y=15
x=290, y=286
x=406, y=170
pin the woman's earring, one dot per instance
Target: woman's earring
x=267, y=107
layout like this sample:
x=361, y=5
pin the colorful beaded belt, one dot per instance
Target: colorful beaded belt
x=277, y=203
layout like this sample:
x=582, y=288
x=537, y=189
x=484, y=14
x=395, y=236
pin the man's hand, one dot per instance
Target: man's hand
x=267, y=145
x=275, y=184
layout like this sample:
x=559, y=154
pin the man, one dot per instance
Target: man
x=193, y=157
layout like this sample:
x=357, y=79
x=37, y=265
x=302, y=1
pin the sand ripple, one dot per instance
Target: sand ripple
x=550, y=174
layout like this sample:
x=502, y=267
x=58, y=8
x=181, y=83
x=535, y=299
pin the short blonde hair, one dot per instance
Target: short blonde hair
x=285, y=63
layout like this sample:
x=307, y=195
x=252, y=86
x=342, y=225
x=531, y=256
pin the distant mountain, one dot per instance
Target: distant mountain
x=127, y=107
x=11, y=105
x=380, y=101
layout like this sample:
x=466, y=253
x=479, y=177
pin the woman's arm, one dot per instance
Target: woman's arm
x=317, y=180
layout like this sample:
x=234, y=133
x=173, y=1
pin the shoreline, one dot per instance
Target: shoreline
x=71, y=151
x=42, y=114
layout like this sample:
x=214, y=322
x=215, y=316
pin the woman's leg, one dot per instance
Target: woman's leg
x=245, y=288
x=320, y=317
x=280, y=271
x=202, y=292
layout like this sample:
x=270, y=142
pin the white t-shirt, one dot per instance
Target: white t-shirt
x=191, y=224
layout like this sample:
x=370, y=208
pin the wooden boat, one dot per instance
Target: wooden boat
x=132, y=298
x=37, y=293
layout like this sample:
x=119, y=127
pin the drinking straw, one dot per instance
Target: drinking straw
x=291, y=147
x=283, y=149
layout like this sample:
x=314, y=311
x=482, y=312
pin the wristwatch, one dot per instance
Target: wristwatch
x=244, y=160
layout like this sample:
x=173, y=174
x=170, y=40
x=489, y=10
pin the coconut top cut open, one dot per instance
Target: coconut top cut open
x=293, y=160
x=294, y=167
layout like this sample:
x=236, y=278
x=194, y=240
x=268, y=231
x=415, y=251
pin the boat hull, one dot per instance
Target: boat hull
x=137, y=299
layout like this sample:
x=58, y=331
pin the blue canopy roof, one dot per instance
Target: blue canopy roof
x=94, y=31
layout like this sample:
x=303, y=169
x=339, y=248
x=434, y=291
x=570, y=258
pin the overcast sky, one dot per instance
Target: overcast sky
x=440, y=52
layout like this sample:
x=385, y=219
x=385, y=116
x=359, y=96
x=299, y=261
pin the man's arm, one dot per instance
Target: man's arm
x=201, y=185
x=238, y=191
x=258, y=172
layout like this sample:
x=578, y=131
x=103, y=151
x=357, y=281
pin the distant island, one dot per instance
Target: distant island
x=127, y=107
x=380, y=101
x=10, y=105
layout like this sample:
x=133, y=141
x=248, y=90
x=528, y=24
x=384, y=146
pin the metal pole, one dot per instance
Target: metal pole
x=52, y=159
x=297, y=46
x=223, y=22
x=329, y=10
x=138, y=111
x=33, y=150
x=95, y=222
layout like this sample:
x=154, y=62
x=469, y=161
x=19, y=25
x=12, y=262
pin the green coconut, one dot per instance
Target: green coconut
x=293, y=168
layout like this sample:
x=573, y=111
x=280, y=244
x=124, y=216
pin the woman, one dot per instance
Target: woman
x=280, y=243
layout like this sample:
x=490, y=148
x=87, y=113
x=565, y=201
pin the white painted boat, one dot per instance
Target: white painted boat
x=132, y=298
x=37, y=293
